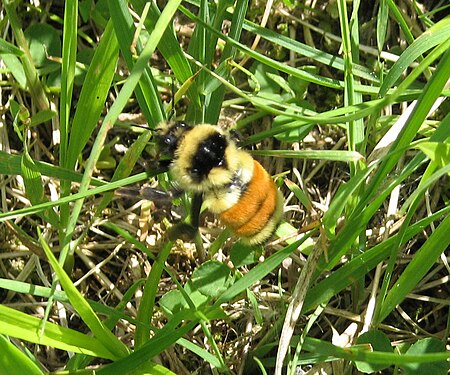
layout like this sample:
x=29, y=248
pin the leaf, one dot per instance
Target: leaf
x=264, y=83
x=15, y=66
x=380, y=343
x=106, y=338
x=41, y=117
x=422, y=262
x=424, y=346
x=242, y=255
x=15, y=362
x=174, y=301
x=8, y=48
x=25, y=327
x=93, y=94
x=32, y=179
x=44, y=41
x=212, y=278
x=437, y=151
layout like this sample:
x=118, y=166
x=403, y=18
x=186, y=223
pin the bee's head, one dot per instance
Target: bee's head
x=169, y=136
x=203, y=157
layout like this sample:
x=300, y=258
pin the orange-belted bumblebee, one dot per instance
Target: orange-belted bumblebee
x=206, y=161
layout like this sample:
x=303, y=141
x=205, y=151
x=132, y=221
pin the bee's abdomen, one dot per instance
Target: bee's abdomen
x=255, y=216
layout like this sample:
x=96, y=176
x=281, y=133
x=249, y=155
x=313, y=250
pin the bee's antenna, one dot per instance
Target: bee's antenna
x=141, y=127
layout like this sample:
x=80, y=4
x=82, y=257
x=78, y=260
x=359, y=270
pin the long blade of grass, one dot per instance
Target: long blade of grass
x=93, y=94
x=260, y=271
x=74, y=197
x=309, y=77
x=147, y=89
x=437, y=34
x=148, y=299
x=361, y=213
x=165, y=337
x=171, y=51
x=303, y=49
x=125, y=166
x=357, y=353
x=215, y=102
x=15, y=362
x=438, y=242
x=107, y=339
x=69, y=58
x=362, y=264
x=10, y=165
x=344, y=156
x=23, y=326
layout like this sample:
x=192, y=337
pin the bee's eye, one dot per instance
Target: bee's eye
x=168, y=140
x=182, y=124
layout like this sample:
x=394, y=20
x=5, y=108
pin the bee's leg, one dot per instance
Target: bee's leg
x=148, y=193
x=188, y=230
x=196, y=205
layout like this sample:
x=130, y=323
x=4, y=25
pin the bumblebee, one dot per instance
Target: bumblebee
x=206, y=161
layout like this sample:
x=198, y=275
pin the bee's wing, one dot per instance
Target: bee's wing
x=147, y=193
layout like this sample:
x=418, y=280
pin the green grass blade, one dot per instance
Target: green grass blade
x=314, y=54
x=438, y=242
x=69, y=56
x=74, y=197
x=397, y=13
x=93, y=94
x=344, y=156
x=147, y=89
x=216, y=99
x=125, y=166
x=34, y=187
x=260, y=271
x=429, y=96
x=102, y=333
x=172, y=52
x=356, y=353
x=309, y=77
x=437, y=34
x=362, y=264
x=167, y=336
x=15, y=362
x=23, y=326
x=10, y=165
x=148, y=299
x=382, y=22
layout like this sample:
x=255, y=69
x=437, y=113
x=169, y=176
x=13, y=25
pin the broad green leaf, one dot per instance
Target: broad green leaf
x=242, y=255
x=44, y=41
x=380, y=343
x=211, y=278
x=424, y=346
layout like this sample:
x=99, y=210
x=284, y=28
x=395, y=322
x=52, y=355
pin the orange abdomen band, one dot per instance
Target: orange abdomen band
x=256, y=206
